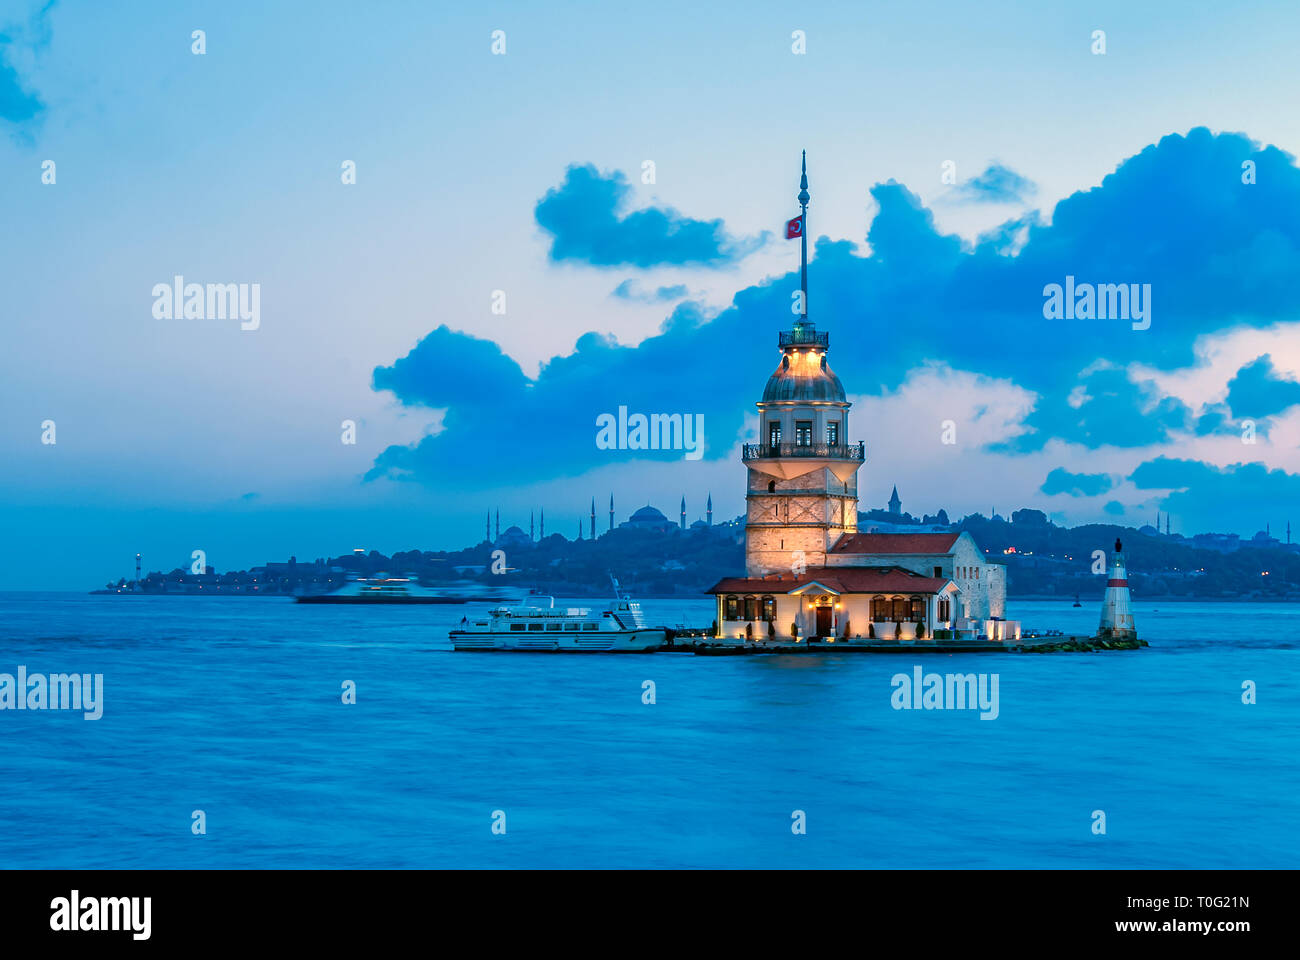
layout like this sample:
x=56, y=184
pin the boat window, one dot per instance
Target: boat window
x=590, y=626
x=535, y=626
x=553, y=626
x=516, y=626
x=570, y=626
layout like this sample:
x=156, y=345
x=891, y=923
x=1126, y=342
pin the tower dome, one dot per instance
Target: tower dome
x=803, y=376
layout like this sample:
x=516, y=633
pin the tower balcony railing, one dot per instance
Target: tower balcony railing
x=825, y=451
x=800, y=338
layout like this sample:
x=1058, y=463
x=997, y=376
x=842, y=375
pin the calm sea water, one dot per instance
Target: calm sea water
x=233, y=707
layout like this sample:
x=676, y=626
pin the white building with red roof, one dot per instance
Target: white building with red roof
x=808, y=571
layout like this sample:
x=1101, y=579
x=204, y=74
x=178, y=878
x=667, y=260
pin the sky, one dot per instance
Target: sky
x=585, y=211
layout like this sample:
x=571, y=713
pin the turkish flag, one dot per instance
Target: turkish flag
x=794, y=228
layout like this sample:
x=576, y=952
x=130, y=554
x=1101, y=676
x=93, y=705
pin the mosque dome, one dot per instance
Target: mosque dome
x=648, y=514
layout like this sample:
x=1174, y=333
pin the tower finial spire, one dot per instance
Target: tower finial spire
x=803, y=238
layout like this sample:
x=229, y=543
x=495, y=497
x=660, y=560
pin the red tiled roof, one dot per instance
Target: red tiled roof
x=836, y=580
x=896, y=543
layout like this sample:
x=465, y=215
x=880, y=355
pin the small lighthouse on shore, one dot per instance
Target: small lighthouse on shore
x=1116, y=614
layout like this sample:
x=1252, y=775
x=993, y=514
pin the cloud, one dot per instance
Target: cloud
x=1208, y=497
x=1257, y=391
x=19, y=105
x=1219, y=255
x=631, y=289
x=1061, y=480
x=582, y=215
x=1106, y=408
x=997, y=184
x=1114, y=508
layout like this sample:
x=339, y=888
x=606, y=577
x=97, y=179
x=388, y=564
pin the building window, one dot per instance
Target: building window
x=803, y=433
x=833, y=433
x=938, y=571
x=771, y=486
x=977, y=573
x=769, y=608
x=899, y=609
x=918, y=610
x=751, y=608
x=731, y=608
x=880, y=609
x=945, y=610
x=774, y=433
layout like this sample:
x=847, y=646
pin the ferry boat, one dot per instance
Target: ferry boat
x=406, y=590
x=616, y=627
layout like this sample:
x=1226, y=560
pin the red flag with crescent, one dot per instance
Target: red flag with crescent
x=794, y=228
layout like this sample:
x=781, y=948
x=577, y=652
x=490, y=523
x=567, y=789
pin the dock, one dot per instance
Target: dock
x=697, y=643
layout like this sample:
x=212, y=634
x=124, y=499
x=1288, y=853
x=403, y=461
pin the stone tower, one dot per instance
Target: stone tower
x=802, y=489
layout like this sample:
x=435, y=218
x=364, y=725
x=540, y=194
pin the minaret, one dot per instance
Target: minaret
x=895, y=505
x=802, y=490
x=541, y=530
x=1166, y=524
x=710, y=509
x=611, y=511
x=579, y=529
x=498, y=524
x=530, y=526
x=487, y=531
x=137, y=571
x=593, y=518
x=1116, y=614
x=683, y=511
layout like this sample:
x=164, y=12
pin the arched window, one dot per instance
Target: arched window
x=771, y=486
x=751, y=608
x=900, y=608
x=731, y=608
x=769, y=608
x=879, y=609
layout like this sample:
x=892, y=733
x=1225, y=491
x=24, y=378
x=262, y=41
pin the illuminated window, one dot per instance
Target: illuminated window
x=773, y=433
x=769, y=608
x=731, y=608
x=803, y=433
x=751, y=608
x=833, y=433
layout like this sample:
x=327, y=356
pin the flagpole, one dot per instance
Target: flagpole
x=803, y=233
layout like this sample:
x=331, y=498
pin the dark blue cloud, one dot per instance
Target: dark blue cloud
x=1112, y=411
x=583, y=217
x=997, y=184
x=1257, y=391
x=1114, y=508
x=1061, y=480
x=631, y=289
x=19, y=105
x=1240, y=496
x=1218, y=254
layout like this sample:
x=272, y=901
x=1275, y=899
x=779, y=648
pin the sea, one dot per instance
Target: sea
x=225, y=742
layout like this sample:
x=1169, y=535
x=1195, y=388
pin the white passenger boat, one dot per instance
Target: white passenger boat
x=615, y=627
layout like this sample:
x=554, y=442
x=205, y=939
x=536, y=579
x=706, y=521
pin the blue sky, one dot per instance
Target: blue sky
x=523, y=173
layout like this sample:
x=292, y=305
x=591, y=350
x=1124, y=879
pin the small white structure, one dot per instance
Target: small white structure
x=1116, y=613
